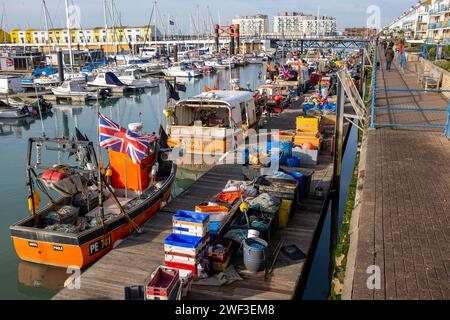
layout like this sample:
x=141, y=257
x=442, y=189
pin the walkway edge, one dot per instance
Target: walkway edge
x=354, y=223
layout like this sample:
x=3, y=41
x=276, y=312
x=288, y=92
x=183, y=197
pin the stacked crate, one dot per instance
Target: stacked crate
x=307, y=131
x=164, y=284
x=185, y=247
x=220, y=260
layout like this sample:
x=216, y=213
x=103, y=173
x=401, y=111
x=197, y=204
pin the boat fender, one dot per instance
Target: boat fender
x=36, y=199
x=155, y=169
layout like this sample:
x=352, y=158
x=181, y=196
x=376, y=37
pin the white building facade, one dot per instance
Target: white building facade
x=253, y=25
x=297, y=23
x=428, y=20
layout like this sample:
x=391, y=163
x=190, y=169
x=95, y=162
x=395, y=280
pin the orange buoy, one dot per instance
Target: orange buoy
x=308, y=146
x=278, y=98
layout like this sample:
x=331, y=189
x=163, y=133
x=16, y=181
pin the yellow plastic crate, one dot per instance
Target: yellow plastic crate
x=305, y=124
x=302, y=137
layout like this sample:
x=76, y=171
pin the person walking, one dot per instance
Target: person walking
x=389, y=57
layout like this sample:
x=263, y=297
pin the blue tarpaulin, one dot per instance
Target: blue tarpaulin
x=41, y=71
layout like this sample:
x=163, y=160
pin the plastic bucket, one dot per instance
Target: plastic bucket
x=253, y=233
x=255, y=254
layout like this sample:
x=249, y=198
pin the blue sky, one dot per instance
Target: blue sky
x=28, y=13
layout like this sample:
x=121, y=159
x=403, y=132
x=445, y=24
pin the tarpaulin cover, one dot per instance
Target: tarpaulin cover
x=111, y=78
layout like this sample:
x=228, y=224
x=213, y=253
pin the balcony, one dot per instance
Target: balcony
x=432, y=26
x=439, y=10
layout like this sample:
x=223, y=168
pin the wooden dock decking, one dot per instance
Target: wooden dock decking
x=132, y=261
x=404, y=222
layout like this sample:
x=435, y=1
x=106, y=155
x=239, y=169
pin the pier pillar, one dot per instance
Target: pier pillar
x=175, y=53
x=59, y=56
x=216, y=36
x=238, y=38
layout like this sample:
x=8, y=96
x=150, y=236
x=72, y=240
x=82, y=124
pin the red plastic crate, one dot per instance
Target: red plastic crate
x=221, y=256
x=182, y=266
x=162, y=283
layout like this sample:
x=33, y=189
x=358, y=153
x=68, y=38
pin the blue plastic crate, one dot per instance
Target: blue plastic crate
x=191, y=216
x=184, y=241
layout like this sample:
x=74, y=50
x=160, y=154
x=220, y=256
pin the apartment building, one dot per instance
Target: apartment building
x=425, y=21
x=439, y=20
x=252, y=25
x=298, y=23
x=92, y=36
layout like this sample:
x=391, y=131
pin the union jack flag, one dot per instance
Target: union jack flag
x=112, y=136
x=284, y=73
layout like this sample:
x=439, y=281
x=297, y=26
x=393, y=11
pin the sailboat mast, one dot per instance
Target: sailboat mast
x=115, y=39
x=44, y=6
x=69, y=35
x=106, y=27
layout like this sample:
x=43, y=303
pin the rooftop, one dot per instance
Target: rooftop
x=230, y=97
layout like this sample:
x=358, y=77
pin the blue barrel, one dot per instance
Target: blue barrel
x=293, y=162
x=285, y=151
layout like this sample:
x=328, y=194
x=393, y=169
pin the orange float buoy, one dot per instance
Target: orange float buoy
x=278, y=98
x=308, y=146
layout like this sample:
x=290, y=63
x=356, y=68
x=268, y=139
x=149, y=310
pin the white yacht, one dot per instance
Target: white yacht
x=133, y=77
x=9, y=112
x=106, y=80
x=72, y=88
x=182, y=70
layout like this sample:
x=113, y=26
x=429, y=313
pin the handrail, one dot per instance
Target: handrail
x=374, y=92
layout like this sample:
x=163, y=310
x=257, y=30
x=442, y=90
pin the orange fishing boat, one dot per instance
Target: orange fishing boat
x=95, y=207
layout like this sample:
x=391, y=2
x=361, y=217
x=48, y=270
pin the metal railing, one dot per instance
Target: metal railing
x=374, y=107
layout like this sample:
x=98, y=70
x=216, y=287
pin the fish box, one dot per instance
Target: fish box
x=163, y=282
x=309, y=157
x=276, y=187
x=220, y=250
x=216, y=213
x=183, y=244
x=304, y=124
x=190, y=223
x=177, y=265
x=302, y=138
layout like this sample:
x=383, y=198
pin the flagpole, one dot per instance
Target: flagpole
x=100, y=185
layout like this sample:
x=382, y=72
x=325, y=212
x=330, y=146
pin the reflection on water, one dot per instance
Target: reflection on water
x=41, y=276
x=22, y=280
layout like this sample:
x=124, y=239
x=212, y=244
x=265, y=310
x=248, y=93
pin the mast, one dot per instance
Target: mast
x=115, y=40
x=69, y=36
x=156, y=31
x=44, y=9
x=106, y=27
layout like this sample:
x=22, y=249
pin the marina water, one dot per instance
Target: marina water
x=23, y=280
